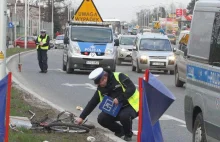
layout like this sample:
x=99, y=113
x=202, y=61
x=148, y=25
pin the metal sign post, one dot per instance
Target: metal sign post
x=3, y=25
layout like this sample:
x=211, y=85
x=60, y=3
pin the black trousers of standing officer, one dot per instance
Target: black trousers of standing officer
x=42, y=59
x=125, y=116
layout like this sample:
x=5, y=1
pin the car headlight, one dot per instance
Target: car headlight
x=108, y=51
x=123, y=50
x=172, y=57
x=75, y=50
x=143, y=59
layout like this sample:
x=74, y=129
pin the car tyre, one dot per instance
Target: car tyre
x=199, y=134
x=138, y=69
x=68, y=69
x=172, y=72
x=118, y=61
x=133, y=67
x=64, y=66
x=178, y=82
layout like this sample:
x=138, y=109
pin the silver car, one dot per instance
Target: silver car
x=153, y=51
x=124, y=49
x=59, y=42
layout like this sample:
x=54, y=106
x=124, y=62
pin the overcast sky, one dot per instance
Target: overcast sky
x=126, y=9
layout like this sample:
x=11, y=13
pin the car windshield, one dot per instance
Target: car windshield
x=127, y=40
x=59, y=37
x=91, y=34
x=155, y=45
x=171, y=36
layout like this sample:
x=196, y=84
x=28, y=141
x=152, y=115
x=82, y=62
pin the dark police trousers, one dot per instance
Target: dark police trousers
x=125, y=117
x=42, y=59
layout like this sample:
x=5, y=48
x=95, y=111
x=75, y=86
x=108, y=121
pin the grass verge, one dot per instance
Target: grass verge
x=12, y=51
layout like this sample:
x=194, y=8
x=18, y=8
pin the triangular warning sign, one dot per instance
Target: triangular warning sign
x=87, y=12
x=1, y=55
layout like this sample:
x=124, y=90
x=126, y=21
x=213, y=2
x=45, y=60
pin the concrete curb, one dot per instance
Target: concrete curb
x=111, y=136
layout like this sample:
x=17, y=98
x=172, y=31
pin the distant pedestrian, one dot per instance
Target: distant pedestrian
x=42, y=43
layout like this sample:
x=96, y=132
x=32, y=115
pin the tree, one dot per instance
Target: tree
x=190, y=6
x=162, y=12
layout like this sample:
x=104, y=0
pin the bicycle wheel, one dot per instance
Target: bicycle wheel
x=67, y=127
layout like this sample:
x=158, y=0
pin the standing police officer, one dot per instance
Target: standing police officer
x=119, y=87
x=42, y=43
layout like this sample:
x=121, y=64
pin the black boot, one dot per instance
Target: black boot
x=128, y=138
x=121, y=134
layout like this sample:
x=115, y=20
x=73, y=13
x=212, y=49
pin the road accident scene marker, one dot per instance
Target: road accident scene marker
x=87, y=12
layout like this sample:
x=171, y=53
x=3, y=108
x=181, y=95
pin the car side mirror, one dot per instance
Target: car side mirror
x=185, y=52
x=116, y=42
x=174, y=49
x=66, y=40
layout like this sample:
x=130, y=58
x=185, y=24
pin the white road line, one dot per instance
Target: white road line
x=168, y=117
x=55, y=70
x=183, y=126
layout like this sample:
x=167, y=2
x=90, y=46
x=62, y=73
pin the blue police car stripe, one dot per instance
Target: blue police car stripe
x=92, y=47
x=203, y=75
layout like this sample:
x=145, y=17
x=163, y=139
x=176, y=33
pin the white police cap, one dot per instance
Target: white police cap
x=96, y=74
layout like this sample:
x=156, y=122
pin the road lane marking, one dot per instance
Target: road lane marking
x=183, y=126
x=86, y=85
x=168, y=117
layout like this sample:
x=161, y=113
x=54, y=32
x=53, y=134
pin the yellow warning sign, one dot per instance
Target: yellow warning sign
x=87, y=12
x=185, y=39
x=1, y=56
x=157, y=25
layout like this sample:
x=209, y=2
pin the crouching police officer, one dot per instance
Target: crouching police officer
x=119, y=87
x=42, y=43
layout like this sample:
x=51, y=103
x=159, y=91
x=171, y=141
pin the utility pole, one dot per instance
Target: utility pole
x=15, y=25
x=3, y=25
x=39, y=17
x=28, y=20
x=25, y=26
x=52, y=20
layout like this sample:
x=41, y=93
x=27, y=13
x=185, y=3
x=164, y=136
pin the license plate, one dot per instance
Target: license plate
x=92, y=62
x=157, y=64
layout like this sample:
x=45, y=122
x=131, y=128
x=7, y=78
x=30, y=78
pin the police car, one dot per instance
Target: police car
x=88, y=45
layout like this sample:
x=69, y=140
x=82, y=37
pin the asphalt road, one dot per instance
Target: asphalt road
x=71, y=90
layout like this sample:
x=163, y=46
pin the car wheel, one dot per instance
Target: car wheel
x=118, y=61
x=138, y=69
x=178, y=82
x=68, y=69
x=199, y=129
x=64, y=66
x=133, y=67
x=165, y=71
x=172, y=72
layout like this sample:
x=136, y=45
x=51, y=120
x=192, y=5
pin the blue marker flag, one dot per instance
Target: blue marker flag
x=159, y=97
x=156, y=99
x=109, y=107
x=3, y=94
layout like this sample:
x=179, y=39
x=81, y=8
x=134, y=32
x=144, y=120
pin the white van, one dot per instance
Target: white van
x=202, y=95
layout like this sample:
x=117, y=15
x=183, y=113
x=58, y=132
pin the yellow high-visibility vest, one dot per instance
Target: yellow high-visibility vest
x=44, y=41
x=133, y=100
